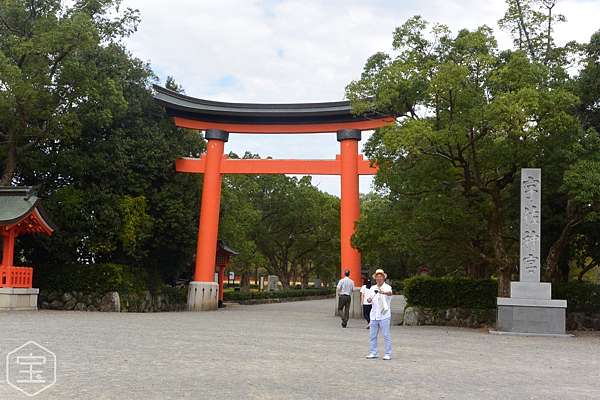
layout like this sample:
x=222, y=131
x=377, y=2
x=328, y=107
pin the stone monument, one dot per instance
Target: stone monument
x=530, y=309
x=272, y=283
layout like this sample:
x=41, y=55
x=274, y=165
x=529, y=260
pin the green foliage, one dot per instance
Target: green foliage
x=530, y=23
x=469, y=118
x=443, y=293
x=97, y=146
x=137, y=224
x=282, y=224
x=175, y=295
x=52, y=77
x=281, y=294
x=92, y=278
x=588, y=84
x=580, y=296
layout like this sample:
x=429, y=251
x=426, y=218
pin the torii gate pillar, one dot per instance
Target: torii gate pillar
x=203, y=292
x=349, y=202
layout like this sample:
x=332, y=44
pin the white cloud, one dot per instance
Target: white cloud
x=297, y=51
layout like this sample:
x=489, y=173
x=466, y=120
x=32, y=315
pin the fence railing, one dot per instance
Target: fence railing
x=16, y=277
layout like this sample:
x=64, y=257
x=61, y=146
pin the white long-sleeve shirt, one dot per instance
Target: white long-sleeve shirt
x=376, y=312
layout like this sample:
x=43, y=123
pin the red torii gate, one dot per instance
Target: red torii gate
x=218, y=119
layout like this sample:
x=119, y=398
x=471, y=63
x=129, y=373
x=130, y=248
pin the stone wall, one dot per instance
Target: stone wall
x=578, y=321
x=108, y=302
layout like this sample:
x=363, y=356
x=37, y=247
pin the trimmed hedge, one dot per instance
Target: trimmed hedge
x=580, y=296
x=91, y=278
x=429, y=292
x=241, y=296
x=442, y=293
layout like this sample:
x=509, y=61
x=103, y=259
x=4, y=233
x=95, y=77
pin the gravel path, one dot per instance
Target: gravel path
x=291, y=351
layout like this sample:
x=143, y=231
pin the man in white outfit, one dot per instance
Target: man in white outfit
x=381, y=299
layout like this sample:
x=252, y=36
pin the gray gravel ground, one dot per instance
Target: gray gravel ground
x=291, y=351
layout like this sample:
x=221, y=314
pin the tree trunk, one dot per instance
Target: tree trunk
x=552, y=268
x=573, y=218
x=10, y=164
x=504, y=282
x=284, y=275
x=501, y=259
x=525, y=32
x=477, y=271
x=549, y=33
x=245, y=282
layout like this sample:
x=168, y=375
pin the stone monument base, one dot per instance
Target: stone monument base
x=17, y=299
x=531, y=316
x=355, y=305
x=203, y=296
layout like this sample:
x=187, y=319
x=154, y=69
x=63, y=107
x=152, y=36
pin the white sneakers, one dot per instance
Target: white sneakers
x=372, y=356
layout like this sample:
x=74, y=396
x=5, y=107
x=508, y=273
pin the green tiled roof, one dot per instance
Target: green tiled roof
x=16, y=203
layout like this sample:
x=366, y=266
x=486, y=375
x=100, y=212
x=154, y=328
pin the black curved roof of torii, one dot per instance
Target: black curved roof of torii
x=179, y=105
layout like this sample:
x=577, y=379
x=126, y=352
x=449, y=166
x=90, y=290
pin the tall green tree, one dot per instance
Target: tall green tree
x=49, y=85
x=588, y=84
x=469, y=117
x=96, y=145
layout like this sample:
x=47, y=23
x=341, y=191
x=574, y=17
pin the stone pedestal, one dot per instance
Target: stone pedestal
x=533, y=316
x=203, y=296
x=16, y=299
x=355, y=305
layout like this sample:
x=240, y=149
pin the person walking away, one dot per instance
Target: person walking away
x=345, y=287
x=381, y=298
x=365, y=294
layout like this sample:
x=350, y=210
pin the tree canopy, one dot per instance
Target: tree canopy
x=469, y=118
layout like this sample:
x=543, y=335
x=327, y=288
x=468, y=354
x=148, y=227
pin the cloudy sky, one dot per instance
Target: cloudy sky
x=298, y=51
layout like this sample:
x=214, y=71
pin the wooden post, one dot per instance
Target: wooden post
x=8, y=251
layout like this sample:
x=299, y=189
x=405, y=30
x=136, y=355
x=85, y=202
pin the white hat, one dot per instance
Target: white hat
x=380, y=271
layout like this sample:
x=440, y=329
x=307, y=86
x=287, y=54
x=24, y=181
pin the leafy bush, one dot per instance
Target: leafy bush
x=91, y=278
x=241, y=296
x=580, y=296
x=438, y=293
x=175, y=295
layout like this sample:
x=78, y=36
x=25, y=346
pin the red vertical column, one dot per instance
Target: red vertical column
x=8, y=252
x=208, y=230
x=350, y=202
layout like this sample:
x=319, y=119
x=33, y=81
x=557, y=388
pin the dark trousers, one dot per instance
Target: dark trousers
x=344, y=307
x=367, y=312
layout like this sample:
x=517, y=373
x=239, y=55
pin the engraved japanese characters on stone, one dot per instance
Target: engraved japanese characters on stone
x=532, y=215
x=530, y=186
x=530, y=262
x=530, y=224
